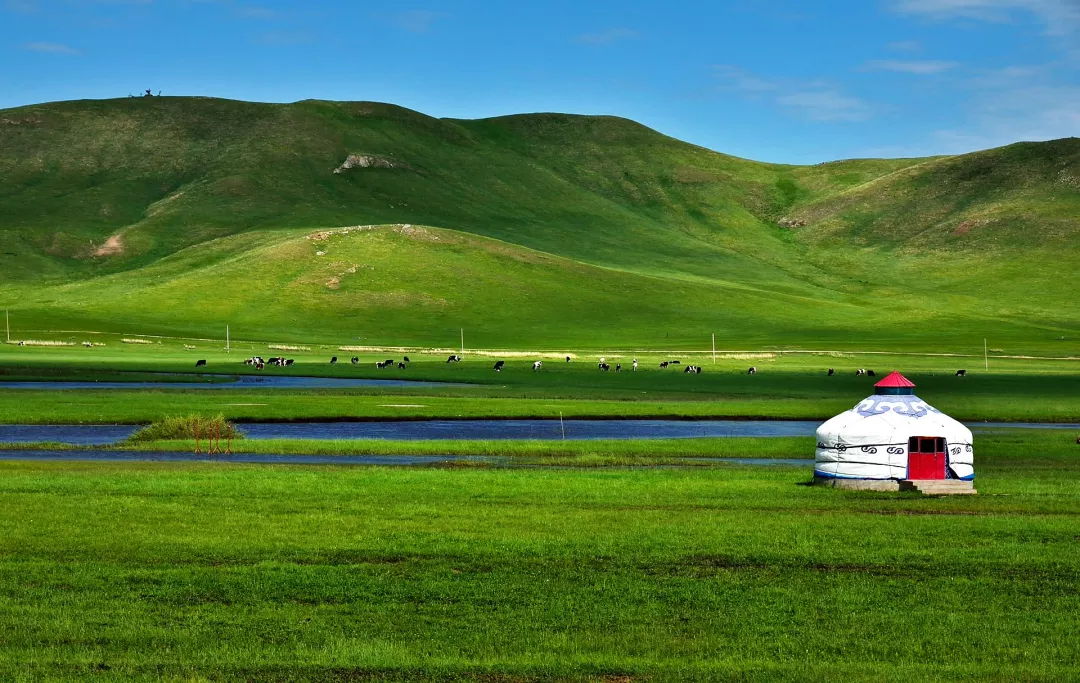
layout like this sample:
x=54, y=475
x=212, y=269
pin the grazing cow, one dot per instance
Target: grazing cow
x=604, y=366
x=200, y=363
x=406, y=359
x=499, y=365
x=90, y=345
x=379, y=364
x=618, y=367
x=688, y=368
x=568, y=359
x=697, y=369
x=288, y=362
x=674, y=362
x=401, y=365
x=961, y=373
x=22, y=343
x=537, y=365
x=870, y=373
x=860, y=372
x=663, y=365
x=831, y=372
x=454, y=359
x=752, y=370
x=260, y=366
x=389, y=361
x=635, y=365
x=355, y=360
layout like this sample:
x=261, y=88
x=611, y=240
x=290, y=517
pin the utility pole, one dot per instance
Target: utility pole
x=986, y=358
x=714, y=348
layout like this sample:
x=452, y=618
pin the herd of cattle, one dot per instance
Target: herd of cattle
x=603, y=365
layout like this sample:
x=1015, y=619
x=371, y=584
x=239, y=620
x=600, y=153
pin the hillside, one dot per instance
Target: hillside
x=604, y=231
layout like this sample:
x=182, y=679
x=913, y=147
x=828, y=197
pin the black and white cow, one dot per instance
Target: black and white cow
x=289, y=361
x=831, y=372
x=401, y=365
x=871, y=373
x=355, y=360
x=603, y=366
x=961, y=373
x=663, y=365
x=568, y=359
x=200, y=363
x=499, y=365
x=454, y=359
x=618, y=367
x=860, y=372
x=752, y=370
x=406, y=359
x=333, y=361
x=537, y=365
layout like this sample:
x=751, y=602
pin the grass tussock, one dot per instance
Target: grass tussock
x=185, y=428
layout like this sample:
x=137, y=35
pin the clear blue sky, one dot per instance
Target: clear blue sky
x=781, y=80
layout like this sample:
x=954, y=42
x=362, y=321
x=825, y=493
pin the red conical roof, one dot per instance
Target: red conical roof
x=894, y=380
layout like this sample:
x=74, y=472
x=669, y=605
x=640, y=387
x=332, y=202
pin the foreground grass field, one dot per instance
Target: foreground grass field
x=212, y=572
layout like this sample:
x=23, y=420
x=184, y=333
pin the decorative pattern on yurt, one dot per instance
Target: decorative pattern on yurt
x=894, y=434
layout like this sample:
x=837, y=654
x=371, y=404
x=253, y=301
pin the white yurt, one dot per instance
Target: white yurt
x=890, y=437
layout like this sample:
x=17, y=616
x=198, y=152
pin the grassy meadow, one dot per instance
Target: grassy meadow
x=192, y=572
x=787, y=385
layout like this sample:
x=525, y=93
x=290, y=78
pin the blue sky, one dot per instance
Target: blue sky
x=798, y=82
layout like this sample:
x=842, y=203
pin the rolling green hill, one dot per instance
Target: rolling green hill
x=176, y=215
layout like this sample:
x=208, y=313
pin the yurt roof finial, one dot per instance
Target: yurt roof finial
x=895, y=384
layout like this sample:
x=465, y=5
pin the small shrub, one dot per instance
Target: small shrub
x=177, y=427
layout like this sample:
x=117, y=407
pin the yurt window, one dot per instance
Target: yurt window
x=926, y=444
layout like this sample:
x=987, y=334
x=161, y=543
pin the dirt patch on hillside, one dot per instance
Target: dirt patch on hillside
x=966, y=226
x=693, y=176
x=112, y=247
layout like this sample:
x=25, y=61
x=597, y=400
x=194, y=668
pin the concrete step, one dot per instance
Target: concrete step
x=938, y=487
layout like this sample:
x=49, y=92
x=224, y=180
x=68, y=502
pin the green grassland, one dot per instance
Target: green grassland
x=202, y=572
x=787, y=385
x=539, y=231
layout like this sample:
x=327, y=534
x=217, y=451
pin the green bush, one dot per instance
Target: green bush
x=180, y=427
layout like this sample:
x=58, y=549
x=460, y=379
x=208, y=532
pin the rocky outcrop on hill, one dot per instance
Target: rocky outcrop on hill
x=370, y=161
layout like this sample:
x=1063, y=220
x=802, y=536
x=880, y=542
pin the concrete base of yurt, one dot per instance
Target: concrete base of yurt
x=927, y=487
x=858, y=484
x=939, y=487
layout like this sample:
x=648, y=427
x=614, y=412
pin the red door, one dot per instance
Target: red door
x=926, y=457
